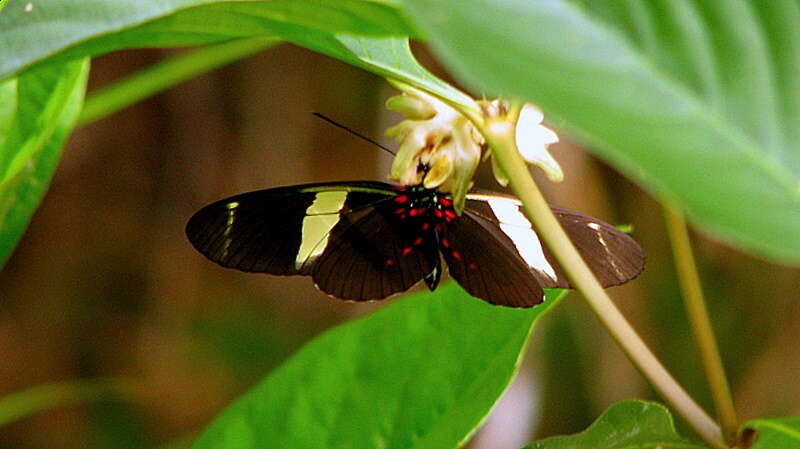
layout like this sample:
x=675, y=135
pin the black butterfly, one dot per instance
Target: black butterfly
x=368, y=240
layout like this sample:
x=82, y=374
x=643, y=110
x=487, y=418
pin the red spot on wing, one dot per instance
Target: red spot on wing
x=449, y=214
x=418, y=241
x=426, y=226
x=445, y=242
x=472, y=266
x=438, y=213
x=389, y=262
x=400, y=210
x=457, y=256
x=401, y=199
x=445, y=202
x=407, y=250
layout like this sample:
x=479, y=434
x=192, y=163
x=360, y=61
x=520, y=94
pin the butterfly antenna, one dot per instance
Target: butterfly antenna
x=353, y=132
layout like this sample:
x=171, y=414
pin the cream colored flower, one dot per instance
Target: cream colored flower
x=438, y=146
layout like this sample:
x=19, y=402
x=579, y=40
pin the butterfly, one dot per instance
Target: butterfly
x=367, y=240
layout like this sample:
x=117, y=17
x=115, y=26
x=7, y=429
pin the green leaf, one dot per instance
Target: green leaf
x=698, y=101
x=625, y=425
x=387, y=57
x=46, y=103
x=772, y=433
x=69, y=28
x=362, y=33
x=422, y=372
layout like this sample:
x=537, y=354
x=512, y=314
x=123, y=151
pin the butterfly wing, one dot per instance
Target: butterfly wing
x=341, y=234
x=372, y=254
x=497, y=244
x=484, y=262
x=613, y=256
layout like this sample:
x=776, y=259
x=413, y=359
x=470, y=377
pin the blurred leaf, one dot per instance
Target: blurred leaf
x=29, y=401
x=244, y=339
x=118, y=424
x=46, y=104
x=362, y=33
x=421, y=373
x=184, y=442
x=626, y=424
x=773, y=433
x=8, y=105
x=696, y=100
x=565, y=374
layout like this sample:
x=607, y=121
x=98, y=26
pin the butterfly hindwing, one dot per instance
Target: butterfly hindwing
x=480, y=258
x=612, y=255
x=372, y=254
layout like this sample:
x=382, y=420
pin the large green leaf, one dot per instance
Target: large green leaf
x=37, y=114
x=625, y=425
x=79, y=28
x=363, y=33
x=772, y=433
x=420, y=373
x=699, y=101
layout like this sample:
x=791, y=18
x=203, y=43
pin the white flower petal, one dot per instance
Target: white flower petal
x=533, y=138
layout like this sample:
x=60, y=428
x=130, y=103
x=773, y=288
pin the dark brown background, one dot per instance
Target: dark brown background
x=104, y=283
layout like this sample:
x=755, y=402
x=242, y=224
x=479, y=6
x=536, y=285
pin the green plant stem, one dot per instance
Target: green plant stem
x=166, y=74
x=701, y=324
x=29, y=401
x=500, y=136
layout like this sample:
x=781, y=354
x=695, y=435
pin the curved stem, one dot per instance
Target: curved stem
x=166, y=74
x=701, y=324
x=500, y=136
x=32, y=400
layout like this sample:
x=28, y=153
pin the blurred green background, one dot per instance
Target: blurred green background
x=105, y=285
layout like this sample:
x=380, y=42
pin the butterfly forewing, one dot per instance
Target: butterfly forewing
x=257, y=231
x=344, y=235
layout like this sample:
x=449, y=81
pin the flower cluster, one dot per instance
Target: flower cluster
x=440, y=148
